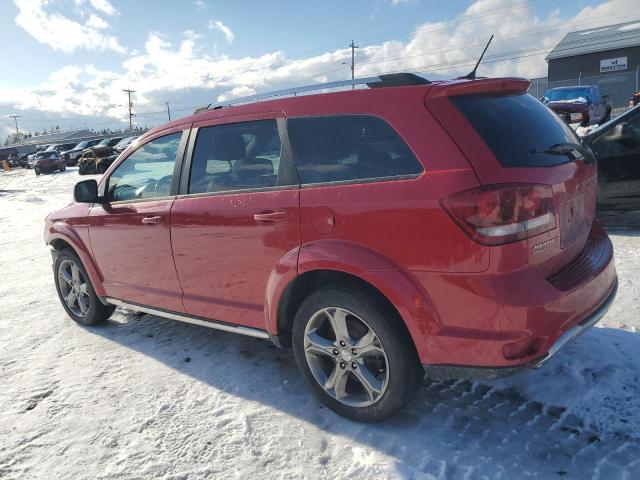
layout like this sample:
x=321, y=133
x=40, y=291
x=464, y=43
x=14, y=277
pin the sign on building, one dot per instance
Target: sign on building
x=613, y=64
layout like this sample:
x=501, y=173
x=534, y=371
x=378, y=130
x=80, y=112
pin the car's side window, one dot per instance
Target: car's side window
x=623, y=139
x=236, y=156
x=348, y=147
x=147, y=172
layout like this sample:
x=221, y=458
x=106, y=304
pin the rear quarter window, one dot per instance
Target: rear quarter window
x=349, y=148
x=517, y=128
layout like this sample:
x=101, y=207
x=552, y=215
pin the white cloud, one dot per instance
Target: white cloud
x=97, y=22
x=64, y=34
x=190, y=72
x=221, y=27
x=401, y=2
x=104, y=6
x=200, y=5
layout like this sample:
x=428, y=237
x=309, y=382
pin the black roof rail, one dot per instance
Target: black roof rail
x=377, y=81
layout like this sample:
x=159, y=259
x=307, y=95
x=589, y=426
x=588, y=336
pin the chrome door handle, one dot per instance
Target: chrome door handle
x=154, y=220
x=271, y=217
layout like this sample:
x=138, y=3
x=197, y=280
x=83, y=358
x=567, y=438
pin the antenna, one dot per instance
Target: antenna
x=472, y=74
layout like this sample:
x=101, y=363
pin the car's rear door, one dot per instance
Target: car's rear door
x=130, y=233
x=236, y=218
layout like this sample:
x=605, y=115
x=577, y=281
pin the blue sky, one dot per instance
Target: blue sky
x=66, y=61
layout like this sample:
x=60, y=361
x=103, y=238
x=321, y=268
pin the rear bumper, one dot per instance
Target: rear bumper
x=496, y=324
x=447, y=372
x=47, y=168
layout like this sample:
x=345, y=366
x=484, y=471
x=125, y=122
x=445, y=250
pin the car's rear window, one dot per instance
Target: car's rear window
x=517, y=128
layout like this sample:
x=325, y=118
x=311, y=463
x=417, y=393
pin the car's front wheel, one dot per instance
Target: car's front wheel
x=75, y=291
x=356, y=355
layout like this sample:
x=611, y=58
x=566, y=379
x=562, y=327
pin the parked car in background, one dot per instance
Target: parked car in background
x=32, y=156
x=584, y=105
x=124, y=143
x=23, y=160
x=108, y=142
x=271, y=219
x=616, y=145
x=47, y=162
x=71, y=156
x=98, y=158
x=60, y=147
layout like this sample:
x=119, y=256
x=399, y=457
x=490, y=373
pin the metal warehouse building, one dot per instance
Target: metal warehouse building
x=606, y=56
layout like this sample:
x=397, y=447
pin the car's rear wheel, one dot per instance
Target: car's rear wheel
x=37, y=170
x=75, y=291
x=354, y=353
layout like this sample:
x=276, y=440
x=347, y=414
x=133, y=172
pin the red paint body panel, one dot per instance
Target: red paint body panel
x=461, y=301
x=135, y=258
x=224, y=257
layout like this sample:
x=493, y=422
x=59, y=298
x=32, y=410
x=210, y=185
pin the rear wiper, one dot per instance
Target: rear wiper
x=572, y=150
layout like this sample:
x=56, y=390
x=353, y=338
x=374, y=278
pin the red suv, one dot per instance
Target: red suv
x=380, y=232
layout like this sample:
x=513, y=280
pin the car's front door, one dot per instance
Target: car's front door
x=130, y=232
x=618, y=153
x=236, y=218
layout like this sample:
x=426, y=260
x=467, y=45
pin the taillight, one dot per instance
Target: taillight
x=497, y=214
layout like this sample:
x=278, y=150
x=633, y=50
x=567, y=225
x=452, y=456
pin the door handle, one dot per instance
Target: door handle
x=154, y=220
x=271, y=217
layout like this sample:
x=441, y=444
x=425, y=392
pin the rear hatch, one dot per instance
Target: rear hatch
x=509, y=137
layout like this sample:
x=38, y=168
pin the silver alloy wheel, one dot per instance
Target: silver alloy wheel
x=346, y=357
x=73, y=288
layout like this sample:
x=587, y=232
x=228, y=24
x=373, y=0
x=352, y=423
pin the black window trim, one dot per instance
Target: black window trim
x=103, y=187
x=361, y=181
x=287, y=174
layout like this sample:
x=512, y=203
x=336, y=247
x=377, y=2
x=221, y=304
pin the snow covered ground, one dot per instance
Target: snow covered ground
x=143, y=397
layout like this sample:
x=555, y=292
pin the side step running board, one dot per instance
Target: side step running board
x=251, y=332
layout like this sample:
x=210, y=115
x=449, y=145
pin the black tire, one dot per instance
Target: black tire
x=97, y=312
x=37, y=170
x=405, y=373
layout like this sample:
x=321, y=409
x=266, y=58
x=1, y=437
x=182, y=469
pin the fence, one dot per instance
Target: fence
x=620, y=86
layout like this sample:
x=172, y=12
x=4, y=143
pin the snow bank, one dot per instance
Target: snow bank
x=143, y=397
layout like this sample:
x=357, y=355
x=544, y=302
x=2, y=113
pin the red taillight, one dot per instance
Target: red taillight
x=497, y=214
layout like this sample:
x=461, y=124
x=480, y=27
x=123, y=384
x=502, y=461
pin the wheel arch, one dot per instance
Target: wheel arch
x=317, y=266
x=59, y=240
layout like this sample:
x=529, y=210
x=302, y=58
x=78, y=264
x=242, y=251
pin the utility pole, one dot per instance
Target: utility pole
x=129, y=92
x=168, y=111
x=353, y=62
x=15, y=118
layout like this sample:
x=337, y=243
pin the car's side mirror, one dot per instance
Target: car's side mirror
x=87, y=192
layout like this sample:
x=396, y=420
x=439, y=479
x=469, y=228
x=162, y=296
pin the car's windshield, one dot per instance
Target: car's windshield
x=104, y=143
x=45, y=154
x=81, y=145
x=578, y=94
x=50, y=148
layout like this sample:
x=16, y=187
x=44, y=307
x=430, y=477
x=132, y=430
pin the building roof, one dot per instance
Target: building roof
x=60, y=137
x=622, y=35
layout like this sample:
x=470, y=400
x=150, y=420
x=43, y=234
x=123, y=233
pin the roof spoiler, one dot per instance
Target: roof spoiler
x=479, y=86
